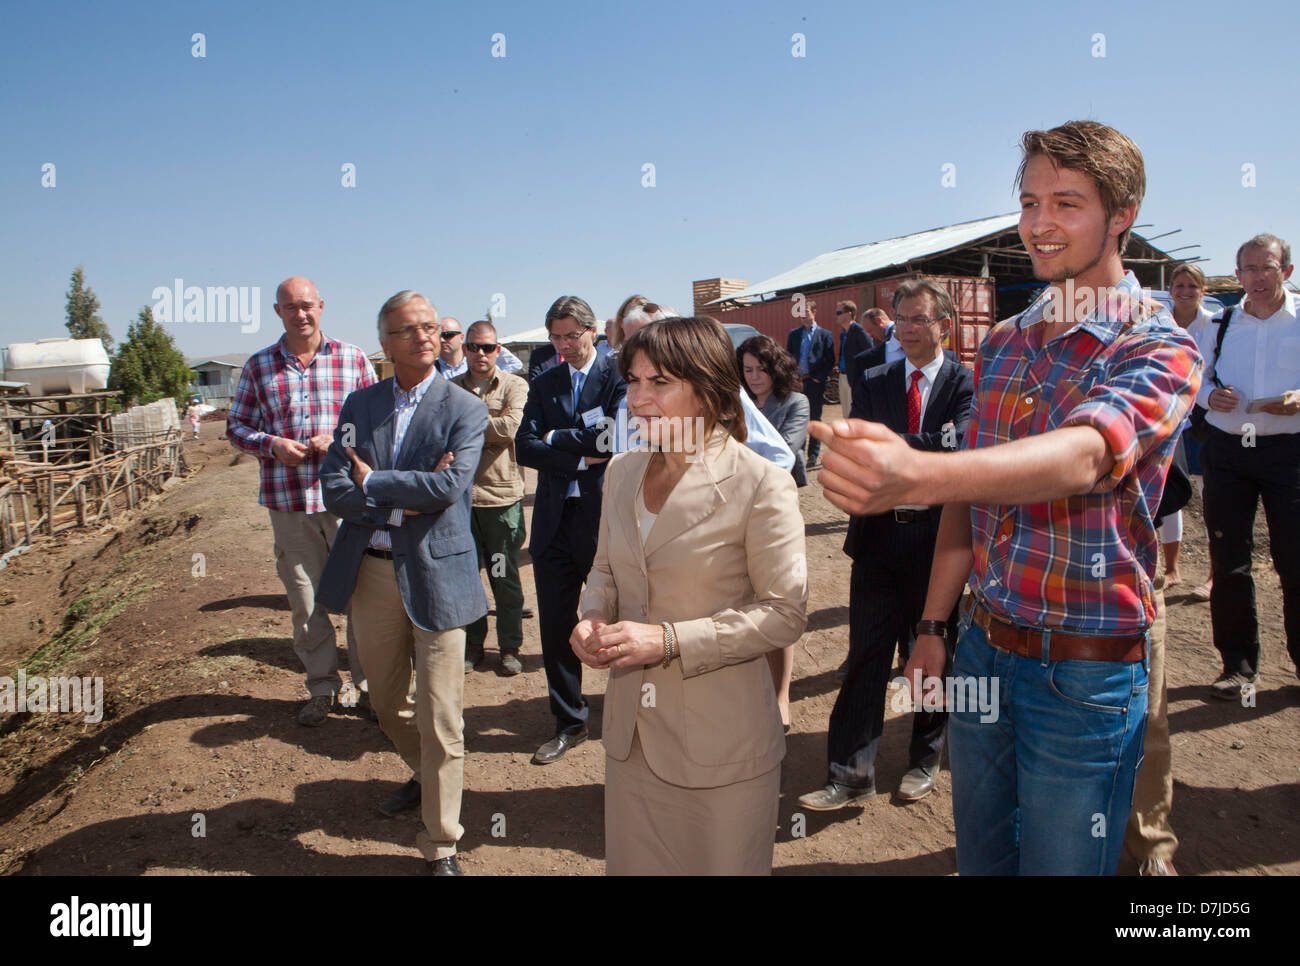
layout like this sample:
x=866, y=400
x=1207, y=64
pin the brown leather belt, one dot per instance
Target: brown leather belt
x=1064, y=647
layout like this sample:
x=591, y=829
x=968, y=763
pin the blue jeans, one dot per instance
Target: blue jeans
x=1044, y=788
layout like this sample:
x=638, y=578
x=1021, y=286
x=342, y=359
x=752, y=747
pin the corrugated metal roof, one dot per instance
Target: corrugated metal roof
x=860, y=259
x=234, y=359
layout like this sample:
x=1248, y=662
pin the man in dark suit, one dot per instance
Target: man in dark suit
x=565, y=436
x=925, y=397
x=853, y=340
x=884, y=345
x=399, y=474
x=814, y=350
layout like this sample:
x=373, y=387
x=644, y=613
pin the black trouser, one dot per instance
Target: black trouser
x=558, y=573
x=1237, y=477
x=813, y=389
x=887, y=590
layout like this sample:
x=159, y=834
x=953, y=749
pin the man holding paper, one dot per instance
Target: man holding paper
x=1253, y=454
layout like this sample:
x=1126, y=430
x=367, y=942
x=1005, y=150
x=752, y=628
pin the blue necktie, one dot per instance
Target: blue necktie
x=574, y=489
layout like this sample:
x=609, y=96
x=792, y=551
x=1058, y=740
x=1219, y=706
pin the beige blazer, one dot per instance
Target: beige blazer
x=725, y=563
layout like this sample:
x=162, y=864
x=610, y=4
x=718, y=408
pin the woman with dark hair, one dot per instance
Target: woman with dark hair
x=771, y=375
x=699, y=571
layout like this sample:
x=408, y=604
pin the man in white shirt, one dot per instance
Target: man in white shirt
x=1253, y=454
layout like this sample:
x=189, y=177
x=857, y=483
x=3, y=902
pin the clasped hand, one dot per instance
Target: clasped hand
x=624, y=644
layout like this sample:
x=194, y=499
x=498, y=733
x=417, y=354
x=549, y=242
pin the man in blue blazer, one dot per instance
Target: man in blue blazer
x=399, y=473
x=814, y=350
x=926, y=398
x=567, y=435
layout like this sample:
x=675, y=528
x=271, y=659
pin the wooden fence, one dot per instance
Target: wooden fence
x=39, y=499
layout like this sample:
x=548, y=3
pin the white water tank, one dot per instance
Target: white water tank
x=51, y=366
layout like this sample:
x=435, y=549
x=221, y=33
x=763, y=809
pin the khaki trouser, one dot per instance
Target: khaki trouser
x=429, y=730
x=1148, y=835
x=846, y=396
x=302, y=545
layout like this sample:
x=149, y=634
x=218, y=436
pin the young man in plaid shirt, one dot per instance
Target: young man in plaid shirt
x=1048, y=519
x=284, y=413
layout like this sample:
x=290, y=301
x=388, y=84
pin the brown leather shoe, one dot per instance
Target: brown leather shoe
x=835, y=796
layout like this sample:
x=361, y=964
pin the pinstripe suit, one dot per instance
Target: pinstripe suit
x=891, y=571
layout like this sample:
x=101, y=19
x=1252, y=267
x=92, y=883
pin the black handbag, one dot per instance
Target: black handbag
x=1197, y=427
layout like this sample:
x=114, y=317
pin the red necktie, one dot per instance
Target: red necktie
x=914, y=403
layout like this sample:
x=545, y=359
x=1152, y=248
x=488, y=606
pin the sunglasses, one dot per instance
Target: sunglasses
x=451, y=334
x=487, y=348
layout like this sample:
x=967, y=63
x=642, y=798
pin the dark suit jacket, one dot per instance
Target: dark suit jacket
x=853, y=342
x=550, y=407
x=541, y=358
x=881, y=397
x=821, y=354
x=434, y=557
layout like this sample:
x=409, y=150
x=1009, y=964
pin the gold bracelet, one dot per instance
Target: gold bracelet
x=670, y=643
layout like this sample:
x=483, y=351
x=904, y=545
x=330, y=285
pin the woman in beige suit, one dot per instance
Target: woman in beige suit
x=699, y=573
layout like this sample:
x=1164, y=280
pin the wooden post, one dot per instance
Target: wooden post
x=81, y=504
x=49, y=506
x=27, y=520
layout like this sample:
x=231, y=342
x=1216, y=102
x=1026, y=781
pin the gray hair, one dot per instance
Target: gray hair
x=940, y=298
x=637, y=316
x=395, y=303
x=1265, y=240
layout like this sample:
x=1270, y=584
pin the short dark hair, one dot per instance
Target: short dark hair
x=851, y=306
x=697, y=351
x=571, y=307
x=774, y=360
x=1110, y=160
x=485, y=324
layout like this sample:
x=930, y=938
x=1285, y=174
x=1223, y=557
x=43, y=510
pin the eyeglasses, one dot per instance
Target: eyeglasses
x=451, y=333
x=568, y=336
x=487, y=348
x=407, y=332
x=842, y=312
x=903, y=320
x=1269, y=269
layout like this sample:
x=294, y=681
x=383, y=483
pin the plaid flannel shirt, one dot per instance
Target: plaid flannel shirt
x=1082, y=564
x=278, y=397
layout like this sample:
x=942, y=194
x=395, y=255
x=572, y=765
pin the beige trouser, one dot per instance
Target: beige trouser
x=1148, y=835
x=846, y=396
x=428, y=731
x=302, y=545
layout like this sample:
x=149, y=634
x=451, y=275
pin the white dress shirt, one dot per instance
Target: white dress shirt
x=404, y=406
x=1260, y=359
x=574, y=489
x=929, y=373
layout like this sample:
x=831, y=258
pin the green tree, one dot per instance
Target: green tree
x=148, y=366
x=83, y=312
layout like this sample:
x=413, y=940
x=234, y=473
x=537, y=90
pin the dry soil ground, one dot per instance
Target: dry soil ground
x=202, y=688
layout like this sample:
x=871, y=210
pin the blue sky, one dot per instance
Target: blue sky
x=522, y=175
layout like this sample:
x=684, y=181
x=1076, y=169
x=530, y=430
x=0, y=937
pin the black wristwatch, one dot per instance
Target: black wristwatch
x=937, y=629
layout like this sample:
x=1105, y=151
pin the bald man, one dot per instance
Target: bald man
x=284, y=413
